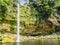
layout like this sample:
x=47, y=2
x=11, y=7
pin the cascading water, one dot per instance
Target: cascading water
x=18, y=24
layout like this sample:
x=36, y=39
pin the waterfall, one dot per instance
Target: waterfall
x=18, y=24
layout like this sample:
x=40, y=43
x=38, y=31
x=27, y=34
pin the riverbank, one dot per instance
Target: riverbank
x=12, y=37
x=26, y=38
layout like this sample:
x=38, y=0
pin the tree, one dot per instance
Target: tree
x=46, y=14
x=8, y=11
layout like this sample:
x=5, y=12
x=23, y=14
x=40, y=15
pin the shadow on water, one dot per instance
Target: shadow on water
x=36, y=42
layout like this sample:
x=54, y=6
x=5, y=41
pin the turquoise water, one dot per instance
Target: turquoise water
x=38, y=42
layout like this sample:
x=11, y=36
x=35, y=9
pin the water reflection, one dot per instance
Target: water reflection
x=42, y=42
x=38, y=42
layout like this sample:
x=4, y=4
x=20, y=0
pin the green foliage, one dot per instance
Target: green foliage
x=1, y=37
x=39, y=15
x=8, y=12
x=44, y=8
x=43, y=13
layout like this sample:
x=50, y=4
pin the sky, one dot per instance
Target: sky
x=22, y=1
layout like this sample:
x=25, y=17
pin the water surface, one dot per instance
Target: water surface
x=37, y=42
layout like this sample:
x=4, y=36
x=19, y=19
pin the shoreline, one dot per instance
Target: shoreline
x=27, y=38
x=12, y=37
